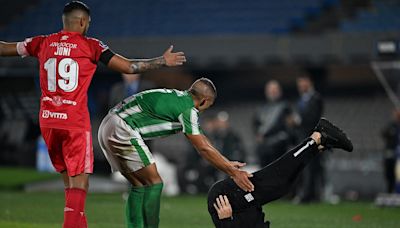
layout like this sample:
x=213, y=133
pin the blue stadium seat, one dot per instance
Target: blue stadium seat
x=128, y=18
x=384, y=16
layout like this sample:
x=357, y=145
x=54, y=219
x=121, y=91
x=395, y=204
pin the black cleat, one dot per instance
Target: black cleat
x=332, y=136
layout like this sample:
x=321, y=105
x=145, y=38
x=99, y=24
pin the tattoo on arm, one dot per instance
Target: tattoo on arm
x=142, y=65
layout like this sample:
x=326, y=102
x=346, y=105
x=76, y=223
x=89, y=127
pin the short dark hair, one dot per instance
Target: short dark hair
x=207, y=82
x=75, y=5
x=210, y=84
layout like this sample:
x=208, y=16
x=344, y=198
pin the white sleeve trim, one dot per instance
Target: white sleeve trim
x=194, y=120
x=21, y=49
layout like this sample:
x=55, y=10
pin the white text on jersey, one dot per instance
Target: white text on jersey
x=63, y=48
x=54, y=115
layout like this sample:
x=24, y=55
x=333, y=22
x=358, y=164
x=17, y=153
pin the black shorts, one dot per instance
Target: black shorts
x=246, y=211
x=239, y=199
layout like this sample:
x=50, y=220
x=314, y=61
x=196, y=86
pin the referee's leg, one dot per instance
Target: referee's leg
x=216, y=190
x=274, y=180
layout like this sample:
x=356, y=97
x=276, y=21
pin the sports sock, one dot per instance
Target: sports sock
x=134, y=207
x=151, y=205
x=74, y=211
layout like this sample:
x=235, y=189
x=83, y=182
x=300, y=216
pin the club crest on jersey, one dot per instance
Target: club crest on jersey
x=57, y=101
x=54, y=115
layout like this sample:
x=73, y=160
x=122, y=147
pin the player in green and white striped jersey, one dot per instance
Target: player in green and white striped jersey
x=158, y=113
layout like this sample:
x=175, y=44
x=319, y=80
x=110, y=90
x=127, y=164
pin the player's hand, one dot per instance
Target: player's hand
x=174, y=58
x=223, y=207
x=241, y=178
x=237, y=164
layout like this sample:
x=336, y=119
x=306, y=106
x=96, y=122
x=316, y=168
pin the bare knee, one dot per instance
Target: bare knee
x=148, y=175
x=153, y=180
x=79, y=181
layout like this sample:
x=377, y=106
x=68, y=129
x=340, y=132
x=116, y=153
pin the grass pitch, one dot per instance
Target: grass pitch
x=45, y=210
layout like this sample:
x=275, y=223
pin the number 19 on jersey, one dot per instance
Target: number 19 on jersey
x=68, y=70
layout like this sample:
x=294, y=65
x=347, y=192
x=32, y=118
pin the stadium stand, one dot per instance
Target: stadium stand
x=11, y=9
x=175, y=17
x=381, y=16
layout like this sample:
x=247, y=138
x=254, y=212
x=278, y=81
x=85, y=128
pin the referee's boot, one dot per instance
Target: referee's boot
x=332, y=136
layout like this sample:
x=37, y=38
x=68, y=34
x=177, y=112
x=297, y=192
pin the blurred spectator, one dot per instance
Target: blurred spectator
x=309, y=105
x=131, y=84
x=390, y=135
x=198, y=175
x=310, y=108
x=225, y=139
x=272, y=124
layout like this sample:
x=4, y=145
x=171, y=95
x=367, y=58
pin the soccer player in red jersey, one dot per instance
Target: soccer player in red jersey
x=68, y=60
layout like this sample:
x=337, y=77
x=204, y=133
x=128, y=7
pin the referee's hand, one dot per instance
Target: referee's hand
x=241, y=178
x=223, y=207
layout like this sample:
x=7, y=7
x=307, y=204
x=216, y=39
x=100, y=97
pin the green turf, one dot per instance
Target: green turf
x=44, y=210
x=16, y=178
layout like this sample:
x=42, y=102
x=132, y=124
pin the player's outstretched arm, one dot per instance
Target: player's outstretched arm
x=131, y=66
x=208, y=152
x=8, y=49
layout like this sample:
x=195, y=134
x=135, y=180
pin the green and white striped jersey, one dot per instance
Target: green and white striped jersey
x=160, y=112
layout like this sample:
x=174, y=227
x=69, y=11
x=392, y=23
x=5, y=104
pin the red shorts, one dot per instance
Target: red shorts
x=69, y=150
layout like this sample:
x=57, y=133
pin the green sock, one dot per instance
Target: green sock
x=134, y=205
x=151, y=205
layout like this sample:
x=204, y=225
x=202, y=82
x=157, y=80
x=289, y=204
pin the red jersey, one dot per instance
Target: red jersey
x=67, y=61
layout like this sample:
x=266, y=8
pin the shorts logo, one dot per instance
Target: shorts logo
x=54, y=115
x=249, y=197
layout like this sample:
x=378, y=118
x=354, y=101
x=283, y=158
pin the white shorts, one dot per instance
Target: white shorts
x=123, y=147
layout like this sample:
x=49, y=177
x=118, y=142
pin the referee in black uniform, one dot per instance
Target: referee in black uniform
x=231, y=207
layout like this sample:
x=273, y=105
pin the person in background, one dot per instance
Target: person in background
x=390, y=135
x=131, y=84
x=271, y=125
x=226, y=139
x=309, y=109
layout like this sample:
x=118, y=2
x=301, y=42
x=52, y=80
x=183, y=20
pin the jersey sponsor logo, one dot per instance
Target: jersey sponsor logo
x=103, y=45
x=58, y=101
x=65, y=37
x=63, y=48
x=63, y=44
x=249, y=197
x=54, y=115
